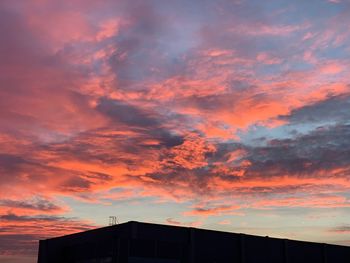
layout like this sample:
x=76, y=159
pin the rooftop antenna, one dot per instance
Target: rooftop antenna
x=113, y=220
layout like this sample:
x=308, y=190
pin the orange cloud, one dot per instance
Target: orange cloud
x=191, y=154
x=331, y=68
x=310, y=202
x=214, y=211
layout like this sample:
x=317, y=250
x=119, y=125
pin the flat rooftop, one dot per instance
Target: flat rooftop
x=138, y=242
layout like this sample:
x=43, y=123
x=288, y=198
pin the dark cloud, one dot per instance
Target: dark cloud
x=81, y=181
x=75, y=184
x=37, y=203
x=58, y=220
x=344, y=229
x=18, y=244
x=323, y=149
x=148, y=124
x=126, y=114
x=333, y=109
x=23, y=218
x=10, y=163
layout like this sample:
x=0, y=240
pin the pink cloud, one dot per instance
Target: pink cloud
x=214, y=211
x=268, y=59
x=332, y=68
x=225, y=222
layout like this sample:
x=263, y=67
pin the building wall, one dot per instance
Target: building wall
x=148, y=243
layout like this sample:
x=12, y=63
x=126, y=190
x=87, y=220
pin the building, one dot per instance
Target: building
x=135, y=242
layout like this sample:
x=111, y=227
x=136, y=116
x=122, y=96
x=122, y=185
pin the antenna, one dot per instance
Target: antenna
x=113, y=220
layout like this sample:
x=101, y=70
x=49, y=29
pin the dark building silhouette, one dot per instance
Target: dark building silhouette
x=135, y=242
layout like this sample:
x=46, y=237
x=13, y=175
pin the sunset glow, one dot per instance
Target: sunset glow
x=222, y=114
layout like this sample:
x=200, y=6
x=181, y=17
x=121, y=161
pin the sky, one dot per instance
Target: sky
x=229, y=114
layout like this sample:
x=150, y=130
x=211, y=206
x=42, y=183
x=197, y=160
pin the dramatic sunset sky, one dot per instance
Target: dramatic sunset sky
x=220, y=114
